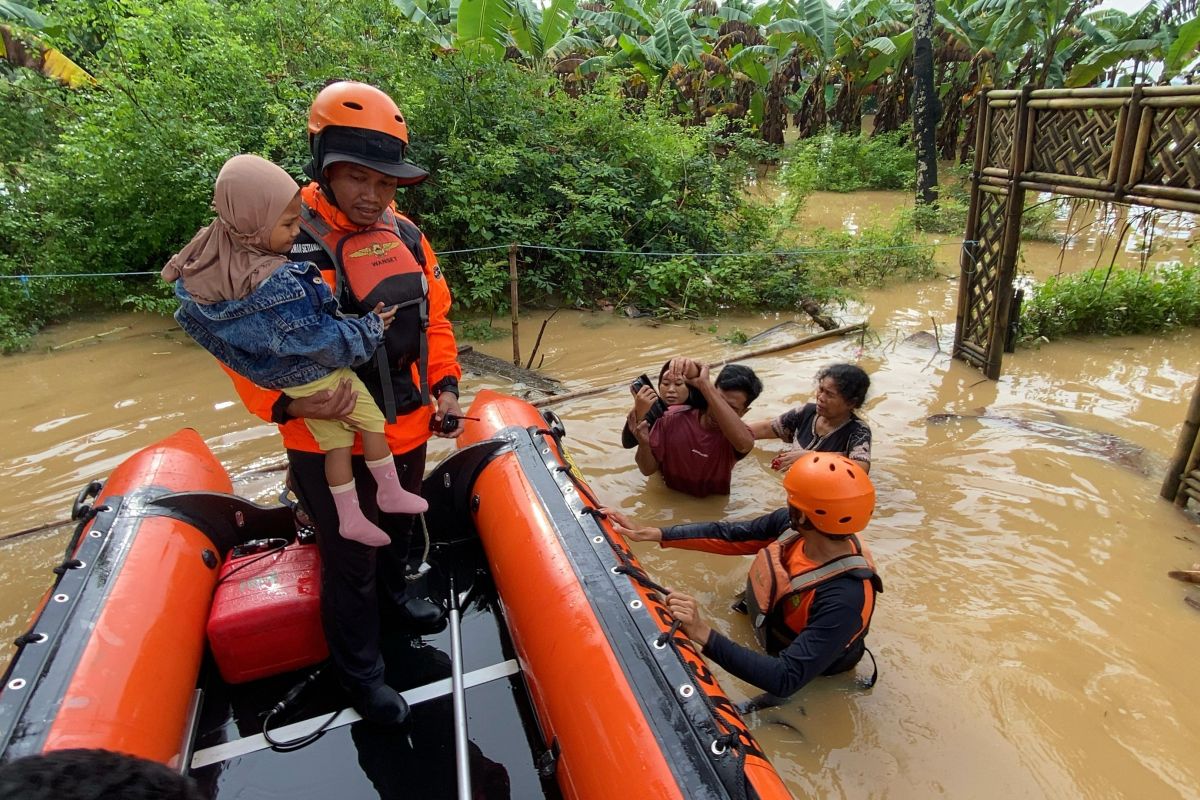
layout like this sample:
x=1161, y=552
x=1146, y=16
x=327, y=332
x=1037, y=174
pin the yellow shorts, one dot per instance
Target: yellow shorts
x=333, y=433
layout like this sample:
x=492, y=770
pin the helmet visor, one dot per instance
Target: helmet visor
x=369, y=149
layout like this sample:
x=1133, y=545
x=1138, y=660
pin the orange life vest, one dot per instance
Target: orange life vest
x=783, y=582
x=383, y=263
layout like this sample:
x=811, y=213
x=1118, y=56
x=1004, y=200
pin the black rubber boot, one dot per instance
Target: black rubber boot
x=420, y=614
x=379, y=703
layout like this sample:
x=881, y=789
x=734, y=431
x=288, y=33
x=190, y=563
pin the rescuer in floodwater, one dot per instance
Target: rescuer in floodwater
x=811, y=588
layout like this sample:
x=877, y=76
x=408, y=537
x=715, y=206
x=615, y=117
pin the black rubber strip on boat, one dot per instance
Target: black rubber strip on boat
x=655, y=682
x=48, y=666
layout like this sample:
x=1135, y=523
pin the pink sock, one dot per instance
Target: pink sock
x=390, y=495
x=352, y=524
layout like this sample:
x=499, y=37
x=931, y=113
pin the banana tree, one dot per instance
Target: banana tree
x=543, y=36
x=656, y=39
x=1124, y=46
x=803, y=33
x=864, y=49
x=21, y=46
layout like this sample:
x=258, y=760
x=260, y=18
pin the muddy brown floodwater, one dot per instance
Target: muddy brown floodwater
x=1029, y=641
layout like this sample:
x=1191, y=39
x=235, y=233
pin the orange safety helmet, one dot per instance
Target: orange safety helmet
x=834, y=493
x=355, y=122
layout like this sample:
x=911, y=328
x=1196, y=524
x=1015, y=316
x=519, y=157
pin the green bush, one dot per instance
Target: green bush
x=1112, y=302
x=116, y=177
x=838, y=162
x=123, y=177
x=872, y=257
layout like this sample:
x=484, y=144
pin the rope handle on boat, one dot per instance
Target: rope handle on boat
x=84, y=513
x=730, y=737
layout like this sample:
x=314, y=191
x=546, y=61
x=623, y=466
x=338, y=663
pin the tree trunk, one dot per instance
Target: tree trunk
x=894, y=100
x=774, y=112
x=925, y=103
x=812, y=117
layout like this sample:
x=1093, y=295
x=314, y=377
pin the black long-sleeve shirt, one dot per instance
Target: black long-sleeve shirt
x=834, y=617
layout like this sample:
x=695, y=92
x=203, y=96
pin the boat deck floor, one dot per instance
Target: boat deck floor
x=355, y=759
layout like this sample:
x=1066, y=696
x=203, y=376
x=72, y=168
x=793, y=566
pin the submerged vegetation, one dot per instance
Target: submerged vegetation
x=1112, y=302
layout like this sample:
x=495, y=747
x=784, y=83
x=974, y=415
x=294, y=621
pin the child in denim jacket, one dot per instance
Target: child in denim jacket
x=276, y=323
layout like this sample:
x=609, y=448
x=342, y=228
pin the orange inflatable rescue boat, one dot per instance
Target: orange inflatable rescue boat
x=561, y=653
x=626, y=701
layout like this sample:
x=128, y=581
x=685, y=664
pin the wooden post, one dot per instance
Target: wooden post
x=969, y=258
x=1011, y=242
x=512, y=297
x=1185, y=450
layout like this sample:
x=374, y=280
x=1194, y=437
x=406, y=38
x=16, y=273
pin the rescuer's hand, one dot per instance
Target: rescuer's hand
x=325, y=404
x=685, y=609
x=447, y=403
x=629, y=529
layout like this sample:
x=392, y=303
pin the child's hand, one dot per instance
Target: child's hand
x=387, y=315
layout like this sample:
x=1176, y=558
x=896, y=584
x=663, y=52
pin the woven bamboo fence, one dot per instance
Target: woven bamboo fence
x=1133, y=145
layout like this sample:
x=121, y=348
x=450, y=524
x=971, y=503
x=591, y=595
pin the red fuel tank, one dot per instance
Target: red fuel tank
x=266, y=614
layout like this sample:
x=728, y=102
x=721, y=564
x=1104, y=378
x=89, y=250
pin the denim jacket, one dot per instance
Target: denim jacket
x=285, y=333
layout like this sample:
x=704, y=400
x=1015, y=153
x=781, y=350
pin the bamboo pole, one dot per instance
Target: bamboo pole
x=1083, y=181
x=512, y=294
x=803, y=340
x=1105, y=196
x=1094, y=91
x=1178, y=194
x=1190, y=468
x=90, y=337
x=969, y=259
x=1007, y=268
x=1066, y=103
x=1138, y=163
x=1172, y=91
x=1159, y=202
x=1190, y=101
x=1187, y=450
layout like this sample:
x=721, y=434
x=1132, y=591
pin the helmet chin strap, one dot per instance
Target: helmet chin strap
x=312, y=170
x=323, y=182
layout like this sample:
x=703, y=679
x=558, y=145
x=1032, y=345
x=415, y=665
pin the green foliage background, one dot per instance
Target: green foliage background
x=115, y=177
x=1113, y=302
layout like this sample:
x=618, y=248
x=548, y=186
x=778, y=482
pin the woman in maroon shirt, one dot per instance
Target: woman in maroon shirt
x=696, y=450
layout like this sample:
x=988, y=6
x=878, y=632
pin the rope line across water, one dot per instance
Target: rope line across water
x=552, y=248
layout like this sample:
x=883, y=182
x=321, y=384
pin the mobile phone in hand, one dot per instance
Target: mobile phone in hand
x=636, y=386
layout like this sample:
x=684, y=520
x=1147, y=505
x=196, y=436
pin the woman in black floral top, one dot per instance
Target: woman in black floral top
x=828, y=425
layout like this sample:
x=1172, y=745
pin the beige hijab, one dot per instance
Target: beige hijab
x=230, y=257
